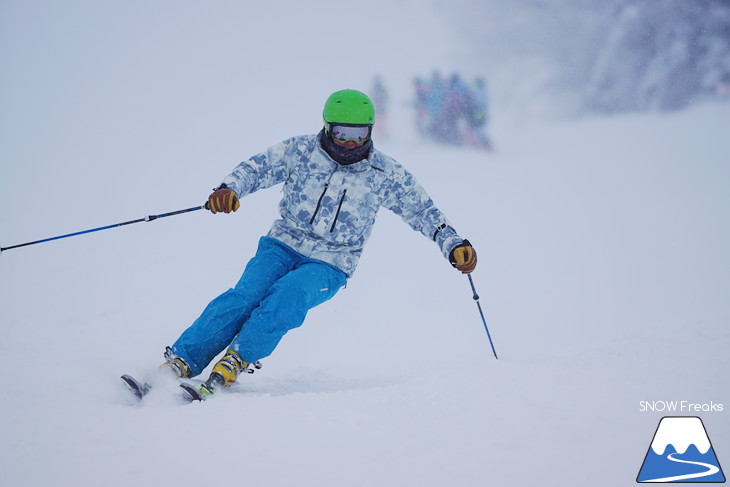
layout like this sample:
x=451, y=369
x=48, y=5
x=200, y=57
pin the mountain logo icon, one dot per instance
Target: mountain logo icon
x=681, y=452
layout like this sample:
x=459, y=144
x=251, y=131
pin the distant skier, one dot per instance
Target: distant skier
x=380, y=98
x=437, y=91
x=334, y=183
x=453, y=111
x=420, y=103
x=477, y=111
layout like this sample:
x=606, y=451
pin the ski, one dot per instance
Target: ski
x=201, y=392
x=135, y=387
x=189, y=392
x=195, y=393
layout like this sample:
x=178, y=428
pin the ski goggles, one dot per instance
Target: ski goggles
x=357, y=133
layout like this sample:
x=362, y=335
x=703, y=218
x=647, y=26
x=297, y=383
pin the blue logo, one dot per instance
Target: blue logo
x=681, y=452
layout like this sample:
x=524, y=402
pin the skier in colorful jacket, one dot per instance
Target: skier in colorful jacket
x=334, y=184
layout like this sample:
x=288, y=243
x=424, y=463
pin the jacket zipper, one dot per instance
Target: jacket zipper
x=339, y=207
x=319, y=203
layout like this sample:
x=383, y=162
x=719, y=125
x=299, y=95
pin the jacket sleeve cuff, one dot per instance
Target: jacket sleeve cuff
x=447, y=239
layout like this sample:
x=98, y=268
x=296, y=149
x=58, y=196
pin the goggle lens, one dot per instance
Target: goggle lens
x=345, y=133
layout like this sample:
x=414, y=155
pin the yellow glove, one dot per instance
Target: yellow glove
x=464, y=257
x=223, y=199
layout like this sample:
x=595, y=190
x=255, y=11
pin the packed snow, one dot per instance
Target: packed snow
x=604, y=271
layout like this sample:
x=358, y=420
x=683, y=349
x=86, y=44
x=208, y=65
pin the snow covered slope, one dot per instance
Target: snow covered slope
x=604, y=274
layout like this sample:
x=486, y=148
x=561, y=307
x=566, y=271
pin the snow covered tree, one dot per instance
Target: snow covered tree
x=605, y=57
x=660, y=55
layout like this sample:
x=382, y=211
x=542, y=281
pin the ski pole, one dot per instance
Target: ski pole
x=476, y=298
x=148, y=218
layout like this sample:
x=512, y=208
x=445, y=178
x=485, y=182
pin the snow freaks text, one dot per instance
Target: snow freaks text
x=680, y=407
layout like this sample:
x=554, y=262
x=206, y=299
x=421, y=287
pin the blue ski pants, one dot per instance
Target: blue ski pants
x=275, y=292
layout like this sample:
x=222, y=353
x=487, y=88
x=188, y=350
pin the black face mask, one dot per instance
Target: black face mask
x=342, y=155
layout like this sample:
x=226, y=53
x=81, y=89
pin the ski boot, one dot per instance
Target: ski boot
x=226, y=371
x=224, y=374
x=174, y=365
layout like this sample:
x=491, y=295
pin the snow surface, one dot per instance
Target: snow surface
x=603, y=244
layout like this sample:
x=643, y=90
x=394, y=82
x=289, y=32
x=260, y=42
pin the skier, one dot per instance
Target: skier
x=334, y=183
x=453, y=111
x=420, y=88
x=380, y=98
x=477, y=111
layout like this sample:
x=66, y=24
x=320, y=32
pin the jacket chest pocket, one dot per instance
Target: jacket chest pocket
x=328, y=207
x=340, y=207
x=352, y=214
x=304, y=195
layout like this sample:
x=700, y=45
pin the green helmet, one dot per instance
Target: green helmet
x=348, y=107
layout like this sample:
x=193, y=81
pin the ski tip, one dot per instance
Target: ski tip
x=191, y=393
x=196, y=392
x=139, y=390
